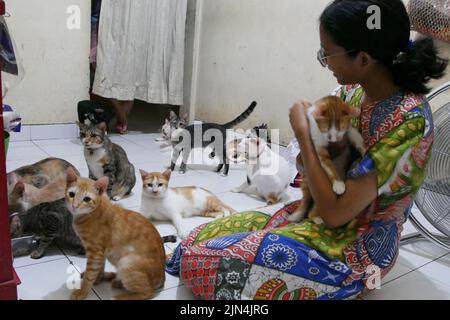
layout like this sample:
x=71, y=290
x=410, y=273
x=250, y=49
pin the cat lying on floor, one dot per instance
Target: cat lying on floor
x=161, y=202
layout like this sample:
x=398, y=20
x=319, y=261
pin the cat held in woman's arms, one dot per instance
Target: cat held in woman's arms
x=333, y=137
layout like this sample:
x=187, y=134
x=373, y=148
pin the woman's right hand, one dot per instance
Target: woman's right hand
x=298, y=117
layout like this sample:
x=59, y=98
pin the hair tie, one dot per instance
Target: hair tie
x=410, y=44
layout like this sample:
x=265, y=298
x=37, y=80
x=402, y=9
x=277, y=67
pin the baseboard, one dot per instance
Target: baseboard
x=46, y=132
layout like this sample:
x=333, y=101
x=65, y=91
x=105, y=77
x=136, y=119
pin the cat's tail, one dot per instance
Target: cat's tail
x=172, y=238
x=244, y=115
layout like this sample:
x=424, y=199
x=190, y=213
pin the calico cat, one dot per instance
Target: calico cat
x=333, y=137
x=184, y=140
x=128, y=240
x=162, y=203
x=22, y=182
x=48, y=222
x=105, y=158
x=268, y=174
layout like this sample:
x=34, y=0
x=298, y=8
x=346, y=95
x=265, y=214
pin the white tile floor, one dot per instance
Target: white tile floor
x=422, y=270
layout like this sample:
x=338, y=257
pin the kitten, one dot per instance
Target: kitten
x=268, y=174
x=333, y=137
x=105, y=158
x=22, y=182
x=48, y=222
x=161, y=202
x=185, y=139
x=128, y=240
x=171, y=125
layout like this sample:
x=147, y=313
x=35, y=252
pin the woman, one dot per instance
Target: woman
x=260, y=256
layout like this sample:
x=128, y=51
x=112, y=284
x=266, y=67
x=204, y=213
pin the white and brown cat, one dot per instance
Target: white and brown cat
x=123, y=237
x=333, y=136
x=160, y=202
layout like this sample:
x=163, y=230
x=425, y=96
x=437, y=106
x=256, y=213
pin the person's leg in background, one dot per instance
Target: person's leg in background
x=122, y=109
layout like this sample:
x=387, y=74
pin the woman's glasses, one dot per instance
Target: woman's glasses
x=323, y=58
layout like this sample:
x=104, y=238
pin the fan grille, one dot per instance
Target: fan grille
x=433, y=198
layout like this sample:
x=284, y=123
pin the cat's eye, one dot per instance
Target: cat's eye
x=86, y=199
x=160, y=185
x=149, y=184
x=71, y=194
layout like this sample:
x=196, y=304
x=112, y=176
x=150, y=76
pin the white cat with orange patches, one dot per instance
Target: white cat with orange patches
x=159, y=202
x=333, y=136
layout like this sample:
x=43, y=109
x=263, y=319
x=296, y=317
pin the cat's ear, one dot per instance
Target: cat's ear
x=15, y=226
x=167, y=121
x=166, y=174
x=185, y=116
x=101, y=185
x=19, y=188
x=71, y=175
x=143, y=173
x=172, y=115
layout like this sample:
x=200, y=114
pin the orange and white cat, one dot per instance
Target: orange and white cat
x=125, y=238
x=333, y=137
x=160, y=202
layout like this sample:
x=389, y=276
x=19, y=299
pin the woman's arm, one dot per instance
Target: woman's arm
x=335, y=211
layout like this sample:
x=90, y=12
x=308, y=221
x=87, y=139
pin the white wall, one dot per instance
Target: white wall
x=263, y=50
x=55, y=59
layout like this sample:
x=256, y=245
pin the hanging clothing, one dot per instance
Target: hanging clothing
x=8, y=61
x=140, y=52
x=260, y=255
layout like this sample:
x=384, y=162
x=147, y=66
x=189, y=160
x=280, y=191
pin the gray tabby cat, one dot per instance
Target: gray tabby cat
x=105, y=158
x=48, y=222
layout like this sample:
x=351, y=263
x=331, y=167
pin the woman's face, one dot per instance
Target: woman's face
x=344, y=67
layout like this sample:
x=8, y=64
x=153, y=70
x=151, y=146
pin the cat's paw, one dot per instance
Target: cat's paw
x=317, y=220
x=183, y=234
x=116, y=198
x=236, y=190
x=224, y=174
x=78, y=295
x=295, y=217
x=37, y=254
x=338, y=187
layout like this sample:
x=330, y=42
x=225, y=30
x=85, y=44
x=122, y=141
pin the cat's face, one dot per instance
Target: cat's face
x=333, y=117
x=22, y=197
x=91, y=137
x=83, y=195
x=155, y=184
x=166, y=129
x=251, y=147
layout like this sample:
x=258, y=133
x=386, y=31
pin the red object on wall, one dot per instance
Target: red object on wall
x=8, y=278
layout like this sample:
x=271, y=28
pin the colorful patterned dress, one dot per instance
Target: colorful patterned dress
x=260, y=255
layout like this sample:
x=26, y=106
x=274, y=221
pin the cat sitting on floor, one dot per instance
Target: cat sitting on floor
x=268, y=174
x=333, y=137
x=203, y=135
x=160, y=202
x=125, y=238
x=105, y=158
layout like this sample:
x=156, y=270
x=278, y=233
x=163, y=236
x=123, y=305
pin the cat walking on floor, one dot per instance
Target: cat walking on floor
x=185, y=139
x=125, y=238
x=160, y=202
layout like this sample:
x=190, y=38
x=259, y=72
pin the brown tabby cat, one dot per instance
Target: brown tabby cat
x=333, y=137
x=128, y=240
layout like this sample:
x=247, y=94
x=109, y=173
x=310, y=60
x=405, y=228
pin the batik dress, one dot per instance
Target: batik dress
x=260, y=255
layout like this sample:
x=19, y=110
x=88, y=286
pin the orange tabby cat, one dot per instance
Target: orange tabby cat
x=128, y=240
x=333, y=137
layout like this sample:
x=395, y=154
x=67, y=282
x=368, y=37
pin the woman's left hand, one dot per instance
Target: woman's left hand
x=298, y=117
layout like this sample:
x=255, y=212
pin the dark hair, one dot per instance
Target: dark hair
x=412, y=65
